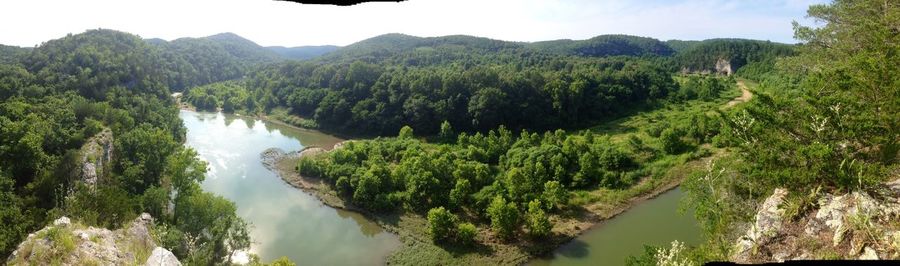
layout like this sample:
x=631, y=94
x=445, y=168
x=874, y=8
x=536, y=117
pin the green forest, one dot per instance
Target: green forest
x=479, y=151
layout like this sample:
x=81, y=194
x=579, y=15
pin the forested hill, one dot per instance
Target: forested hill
x=693, y=56
x=198, y=61
x=244, y=49
x=378, y=85
x=12, y=54
x=303, y=52
x=703, y=55
x=606, y=45
x=383, y=46
x=97, y=61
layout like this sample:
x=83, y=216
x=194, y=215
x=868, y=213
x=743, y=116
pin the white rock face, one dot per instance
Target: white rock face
x=91, y=245
x=162, y=257
x=62, y=221
x=768, y=224
x=835, y=212
x=724, y=67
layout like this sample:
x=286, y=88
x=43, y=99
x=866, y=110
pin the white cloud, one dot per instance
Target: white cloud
x=27, y=23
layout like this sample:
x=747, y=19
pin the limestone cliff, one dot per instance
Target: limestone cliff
x=67, y=243
x=722, y=67
x=854, y=225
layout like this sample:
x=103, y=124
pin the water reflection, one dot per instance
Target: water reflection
x=286, y=221
x=366, y=226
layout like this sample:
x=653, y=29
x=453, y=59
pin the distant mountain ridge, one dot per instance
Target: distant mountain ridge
x=303, y=52
x=191, y=62
x=606, y=45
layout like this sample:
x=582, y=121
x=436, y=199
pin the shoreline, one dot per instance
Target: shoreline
x=570, y=228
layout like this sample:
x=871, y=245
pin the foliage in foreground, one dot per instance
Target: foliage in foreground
x=825, y=122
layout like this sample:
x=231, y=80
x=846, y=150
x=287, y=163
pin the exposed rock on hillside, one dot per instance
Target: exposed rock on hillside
x=768, y=224
x=723, y=66
x=854, y=225
x=162, y=257
x=96, y=156
x=67, y=243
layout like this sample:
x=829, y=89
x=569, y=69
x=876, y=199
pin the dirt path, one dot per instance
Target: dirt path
x=745, y=95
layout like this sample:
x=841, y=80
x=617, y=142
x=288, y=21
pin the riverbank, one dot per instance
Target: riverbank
x=284, y=165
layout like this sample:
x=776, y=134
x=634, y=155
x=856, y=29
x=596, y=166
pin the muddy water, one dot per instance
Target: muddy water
x=654, y=222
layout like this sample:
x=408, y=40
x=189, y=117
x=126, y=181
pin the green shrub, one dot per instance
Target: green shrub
x=465, y=233
x=672, y=142
x=539, y=225
x=504, y=217
x=440, y=224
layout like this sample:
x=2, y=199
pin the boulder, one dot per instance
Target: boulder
x=869, y=254
x=162, y=257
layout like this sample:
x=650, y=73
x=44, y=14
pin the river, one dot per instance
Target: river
x=289, y=222
x=285, y=221
x=654, y=222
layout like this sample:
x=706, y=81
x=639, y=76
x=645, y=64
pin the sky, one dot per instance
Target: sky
x=272, y=23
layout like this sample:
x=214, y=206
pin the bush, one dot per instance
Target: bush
x=406, y=132
x=309, y=167
x=504, y=217
x=459, y=195
x=440, y=224
x=446, y=133
x=672, y=142
x=554, y=195
x=539, y=225
x=465, y=233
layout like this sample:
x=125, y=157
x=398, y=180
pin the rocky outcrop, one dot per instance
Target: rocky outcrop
x=68, y=243
x=853, y=225
x=834, y=213
x=723, y=67
x=271, y=156
x=767, y=225
x=96, y=157
x=162, y=257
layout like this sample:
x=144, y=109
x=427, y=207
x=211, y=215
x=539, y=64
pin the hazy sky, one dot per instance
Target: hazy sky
x=30, y=22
